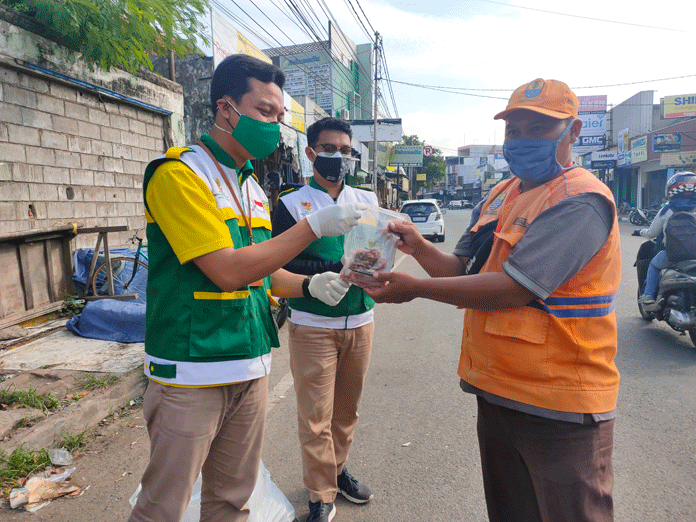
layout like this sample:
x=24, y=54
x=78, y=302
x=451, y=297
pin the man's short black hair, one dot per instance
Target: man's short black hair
x=231, y=77
x=329, y=123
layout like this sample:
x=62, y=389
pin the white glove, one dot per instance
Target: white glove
x=328, y=288
x=335, y=220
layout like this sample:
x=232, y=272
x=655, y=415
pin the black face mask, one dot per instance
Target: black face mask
x=332, y=167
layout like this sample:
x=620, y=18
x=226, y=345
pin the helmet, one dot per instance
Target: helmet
x=681, y=183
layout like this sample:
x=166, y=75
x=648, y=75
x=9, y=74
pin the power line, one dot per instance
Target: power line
x=366, y=19
x=586, y=17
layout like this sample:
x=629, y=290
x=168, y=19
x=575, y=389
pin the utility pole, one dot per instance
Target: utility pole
x=374, y=115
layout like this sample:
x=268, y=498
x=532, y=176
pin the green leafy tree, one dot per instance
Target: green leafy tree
x=120, y=33
x=433, y=166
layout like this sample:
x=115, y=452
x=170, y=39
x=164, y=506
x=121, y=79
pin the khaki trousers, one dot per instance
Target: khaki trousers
x=216, y=430
x=329, y=368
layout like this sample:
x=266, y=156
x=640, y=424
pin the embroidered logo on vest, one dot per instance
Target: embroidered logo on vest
x=496, y=204
x=521, y=222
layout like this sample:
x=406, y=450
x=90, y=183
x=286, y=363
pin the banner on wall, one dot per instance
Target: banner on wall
x=666, y=142
x=679, y=106
x=639, y=149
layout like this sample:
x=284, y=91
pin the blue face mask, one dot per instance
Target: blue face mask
x=534, y=159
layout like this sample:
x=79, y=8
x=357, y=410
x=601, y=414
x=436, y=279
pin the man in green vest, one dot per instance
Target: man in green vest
x=209, y=328
x=330, y=347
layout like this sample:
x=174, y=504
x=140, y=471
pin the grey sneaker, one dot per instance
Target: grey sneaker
x=321, y=512
x=353, y=490
x=646, y=299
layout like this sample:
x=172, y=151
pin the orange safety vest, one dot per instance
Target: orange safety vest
x=557, y=353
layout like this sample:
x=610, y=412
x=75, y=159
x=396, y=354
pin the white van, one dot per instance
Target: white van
x=427, y=216
x=456, y=204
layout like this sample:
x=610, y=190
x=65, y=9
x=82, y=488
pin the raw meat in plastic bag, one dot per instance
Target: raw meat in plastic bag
x=370, y=247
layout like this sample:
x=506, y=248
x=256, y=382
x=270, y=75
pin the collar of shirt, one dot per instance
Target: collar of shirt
x=316, y=185
x=227, y=160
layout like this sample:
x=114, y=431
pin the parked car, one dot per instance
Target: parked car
x=468, y=204
x=427, y=216
x=456, y=204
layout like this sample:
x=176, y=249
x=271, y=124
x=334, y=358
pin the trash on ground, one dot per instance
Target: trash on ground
x=60, y=457
x=39, y=490
x=267, y=502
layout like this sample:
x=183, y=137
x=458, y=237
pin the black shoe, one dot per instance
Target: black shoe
x=321, y=512
x=352, y=489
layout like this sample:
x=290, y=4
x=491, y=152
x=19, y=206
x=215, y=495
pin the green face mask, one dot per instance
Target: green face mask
x=259, y=138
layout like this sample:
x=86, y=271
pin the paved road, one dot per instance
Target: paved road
x=416, y=441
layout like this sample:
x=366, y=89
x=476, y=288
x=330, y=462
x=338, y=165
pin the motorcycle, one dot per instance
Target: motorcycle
x=676, y=299
x=642, y=217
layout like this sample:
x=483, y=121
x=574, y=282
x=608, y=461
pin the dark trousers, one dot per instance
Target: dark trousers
x=542, y=470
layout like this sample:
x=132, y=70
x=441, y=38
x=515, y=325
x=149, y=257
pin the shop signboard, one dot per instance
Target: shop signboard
x=679, y=106
x=227, y=40
x=604, y=159
x=622, y=147
x=677, y=159
x=669, y=142
x=408, y=155
x=639, y=149
x=387, y=130
x=594, y=126
x=592, y=103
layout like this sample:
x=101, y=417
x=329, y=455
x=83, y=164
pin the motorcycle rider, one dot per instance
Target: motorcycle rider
x=681, y=197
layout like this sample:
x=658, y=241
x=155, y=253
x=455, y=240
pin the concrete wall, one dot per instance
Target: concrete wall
x=194, y=73
x=68, y=153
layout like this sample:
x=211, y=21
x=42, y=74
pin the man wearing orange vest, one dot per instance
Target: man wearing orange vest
x=539, y=336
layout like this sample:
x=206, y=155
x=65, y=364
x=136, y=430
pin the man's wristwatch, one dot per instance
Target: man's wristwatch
x=305, y=288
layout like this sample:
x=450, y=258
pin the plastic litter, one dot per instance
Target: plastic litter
x=267, y=503
x=39, y=490
x=370, y=247
x=60, y=457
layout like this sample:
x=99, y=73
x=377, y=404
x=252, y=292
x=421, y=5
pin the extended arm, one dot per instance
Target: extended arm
x=489, y=291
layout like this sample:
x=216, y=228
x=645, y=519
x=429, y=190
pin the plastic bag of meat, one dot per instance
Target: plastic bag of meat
x=370, y=247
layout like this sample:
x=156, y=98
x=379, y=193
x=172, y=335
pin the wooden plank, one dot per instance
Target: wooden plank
x=38, y=273
x=19, y=317
x=9, y=236
x=26, y=276
x=120, y=228
x=67, y=261
x=109, y=268
x=93, y=264
x=51, y=280
x=122, y=297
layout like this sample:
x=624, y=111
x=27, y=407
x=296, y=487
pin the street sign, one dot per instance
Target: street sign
x=428, y=151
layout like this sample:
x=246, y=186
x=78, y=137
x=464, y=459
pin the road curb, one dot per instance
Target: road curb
x=79, y=416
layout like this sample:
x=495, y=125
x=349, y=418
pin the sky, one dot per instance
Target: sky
x=598, y=47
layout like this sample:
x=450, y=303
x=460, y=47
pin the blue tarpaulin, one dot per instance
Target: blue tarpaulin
x=111, y=319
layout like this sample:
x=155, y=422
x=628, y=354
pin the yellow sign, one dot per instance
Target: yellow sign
x=639, y=150
x=420, y=177
x=676, y=159
x=680, y=106
x=298, y=115
x=244, y=46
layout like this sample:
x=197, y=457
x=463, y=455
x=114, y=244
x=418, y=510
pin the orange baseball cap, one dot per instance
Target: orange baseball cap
x=549, y=97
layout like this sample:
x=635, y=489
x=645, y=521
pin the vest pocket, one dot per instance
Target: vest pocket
x=525, y=323
x=220, y=325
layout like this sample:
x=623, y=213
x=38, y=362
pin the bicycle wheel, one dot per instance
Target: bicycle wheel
x=100, y=283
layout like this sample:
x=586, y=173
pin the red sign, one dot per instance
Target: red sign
x=428, y=151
